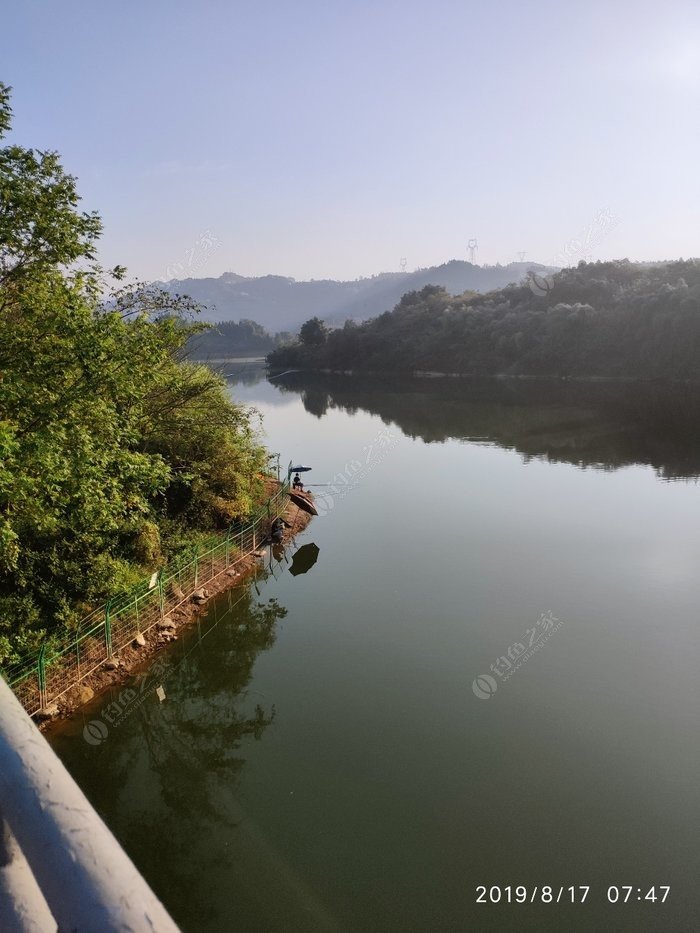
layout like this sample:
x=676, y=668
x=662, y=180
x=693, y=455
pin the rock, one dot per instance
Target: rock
x=79, y=694
x=200, y=596
x=166, y=623
x=140, y=641
x=231, y=573
x=111, y=665
x=48, y=712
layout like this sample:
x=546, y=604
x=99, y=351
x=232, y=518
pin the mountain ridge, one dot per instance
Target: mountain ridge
x=284, y=303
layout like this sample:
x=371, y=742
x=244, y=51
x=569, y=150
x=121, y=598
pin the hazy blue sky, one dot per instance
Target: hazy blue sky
x=328, y=139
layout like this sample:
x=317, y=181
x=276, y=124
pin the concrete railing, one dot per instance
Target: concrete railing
x=60, y=866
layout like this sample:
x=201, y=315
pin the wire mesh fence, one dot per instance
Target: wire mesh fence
x=62, y=664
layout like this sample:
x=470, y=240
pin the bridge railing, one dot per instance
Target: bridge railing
x=60, y=866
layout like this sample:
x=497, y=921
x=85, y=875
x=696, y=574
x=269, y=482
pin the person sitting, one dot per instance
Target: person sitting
x=277, y=530
x=297, y=484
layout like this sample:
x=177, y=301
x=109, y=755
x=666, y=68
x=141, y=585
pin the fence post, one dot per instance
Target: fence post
x=41, y=671
x=228, y=548
x=161, y=593
x=108, y=628
x=196, y=567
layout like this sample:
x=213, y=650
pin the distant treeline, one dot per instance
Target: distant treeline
x=281, y=303
x=231, y=338
x=608, y=319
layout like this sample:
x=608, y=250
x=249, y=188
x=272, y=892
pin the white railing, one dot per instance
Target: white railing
x=60, y=866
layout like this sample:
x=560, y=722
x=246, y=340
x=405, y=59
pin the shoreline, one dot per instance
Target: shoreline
x=133, y=656
x=543, y=377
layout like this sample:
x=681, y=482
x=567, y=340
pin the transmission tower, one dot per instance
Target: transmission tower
x=402, y=263
x=472, y=246
x=521, y=256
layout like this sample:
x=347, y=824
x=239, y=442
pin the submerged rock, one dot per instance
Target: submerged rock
x=79, y=694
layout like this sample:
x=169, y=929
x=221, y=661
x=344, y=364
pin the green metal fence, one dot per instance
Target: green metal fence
x=61, y=664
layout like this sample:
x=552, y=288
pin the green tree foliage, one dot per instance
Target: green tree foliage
x=613, y=319
x=313, y=333
x=111, y=446
x=230, y=339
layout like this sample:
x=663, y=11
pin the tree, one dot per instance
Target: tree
x=111, y=446
x=313, y=333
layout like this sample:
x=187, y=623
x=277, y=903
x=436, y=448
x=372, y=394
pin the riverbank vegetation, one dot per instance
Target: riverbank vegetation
x=607, y=319
x=114, y=449
x=229, y=339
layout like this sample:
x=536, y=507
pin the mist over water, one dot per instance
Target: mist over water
x=486, y=676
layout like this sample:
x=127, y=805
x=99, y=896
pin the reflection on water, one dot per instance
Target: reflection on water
x=304, y=559
x=605, y=424
x=171, y=765
x=366, y=756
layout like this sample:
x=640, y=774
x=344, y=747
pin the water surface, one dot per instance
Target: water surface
x=323, y=759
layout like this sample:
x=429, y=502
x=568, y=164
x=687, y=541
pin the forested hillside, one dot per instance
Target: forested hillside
x=227, y=339
x=611, y=319
x=114, y=451
x=281, y=303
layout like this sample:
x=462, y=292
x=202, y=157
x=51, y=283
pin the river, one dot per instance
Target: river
x=488, y=676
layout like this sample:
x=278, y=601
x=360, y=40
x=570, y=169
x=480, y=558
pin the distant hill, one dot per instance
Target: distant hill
x=279, y=303
x=606, y=319
x=228, y=339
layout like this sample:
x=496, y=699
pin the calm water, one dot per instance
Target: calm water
x=323, y=759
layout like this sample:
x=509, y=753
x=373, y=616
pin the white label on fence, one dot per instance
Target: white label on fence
x=160, y=693
x=152, y=582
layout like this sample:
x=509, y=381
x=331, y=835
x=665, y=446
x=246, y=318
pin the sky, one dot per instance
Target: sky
x=336, y=139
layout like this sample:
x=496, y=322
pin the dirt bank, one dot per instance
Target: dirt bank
x=130, y=658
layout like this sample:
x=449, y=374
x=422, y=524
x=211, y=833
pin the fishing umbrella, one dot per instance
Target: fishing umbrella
x=303, y=503
x=304, y=559
x=297, y=469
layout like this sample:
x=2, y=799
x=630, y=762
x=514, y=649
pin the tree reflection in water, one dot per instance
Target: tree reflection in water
x=603, y=424
x=166, y=775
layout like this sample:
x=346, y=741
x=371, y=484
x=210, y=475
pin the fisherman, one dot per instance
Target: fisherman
x=277, y=530
x=297, y=483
